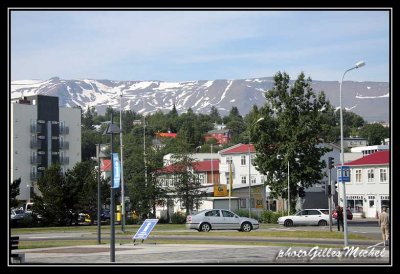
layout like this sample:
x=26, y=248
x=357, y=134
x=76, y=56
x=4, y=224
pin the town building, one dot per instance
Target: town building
x=42, y=134
x=222, y=136
x=369, y=187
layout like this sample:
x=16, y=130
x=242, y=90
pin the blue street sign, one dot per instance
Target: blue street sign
x=145, y=229
x=346, y=174
x=117, y=171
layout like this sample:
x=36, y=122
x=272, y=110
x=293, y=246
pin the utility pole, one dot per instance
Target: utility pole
x=122, y=168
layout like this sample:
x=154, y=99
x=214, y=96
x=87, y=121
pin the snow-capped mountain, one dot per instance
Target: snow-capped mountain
x=368, y=99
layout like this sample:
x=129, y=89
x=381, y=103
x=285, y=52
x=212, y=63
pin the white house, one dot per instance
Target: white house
x=369, y=187
x=241, y=158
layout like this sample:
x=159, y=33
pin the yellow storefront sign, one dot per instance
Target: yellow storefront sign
x=220, y=191
x=259, y=201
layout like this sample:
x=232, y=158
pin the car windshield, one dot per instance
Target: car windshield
x=325, y=211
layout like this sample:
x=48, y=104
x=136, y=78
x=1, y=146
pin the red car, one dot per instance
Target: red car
x=349, y=214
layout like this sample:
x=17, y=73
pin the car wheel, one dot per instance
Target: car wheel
x=288, y=223
x=246, y=227
x=322, y=223
x=205, y=227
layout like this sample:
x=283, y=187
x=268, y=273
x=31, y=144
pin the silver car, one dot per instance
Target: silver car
x=307, y=217
x=220, y=219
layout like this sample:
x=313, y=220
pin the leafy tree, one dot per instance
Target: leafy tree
x=236, y=124
x=187, y=184
x=88, y=118
x=375, y=133
x=290, y=132
x=82, y=179
x=14, y=192
x=88, y=144
x=215, y=116
x=57, y=199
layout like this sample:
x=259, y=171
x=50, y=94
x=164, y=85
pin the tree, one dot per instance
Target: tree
x=290, y=132
x=214, y=115
x=14, y=192
x=88, y=118
x=236, y=124
x=375, y=133
x=82, y=180
x=187, y=186
x=57, y=199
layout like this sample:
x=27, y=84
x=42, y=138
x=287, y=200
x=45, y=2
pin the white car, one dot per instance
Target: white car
x=307, y=217
x=220, y=219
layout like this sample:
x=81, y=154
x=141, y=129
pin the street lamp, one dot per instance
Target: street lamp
x=122, y=167
x=100, y=154
x=112, y=129
x=357, y=65
x=260, y=119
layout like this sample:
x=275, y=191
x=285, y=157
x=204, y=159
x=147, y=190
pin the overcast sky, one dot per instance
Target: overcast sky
x=178, y=46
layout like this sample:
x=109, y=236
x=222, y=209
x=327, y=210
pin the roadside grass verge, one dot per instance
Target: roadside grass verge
x=271, y=234
x=105, y=243
x=129, y=229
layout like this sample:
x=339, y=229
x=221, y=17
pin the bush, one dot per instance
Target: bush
x=266, y=216
x=132, y=219
x=178, y=218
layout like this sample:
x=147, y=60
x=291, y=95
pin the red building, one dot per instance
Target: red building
x=223, y=136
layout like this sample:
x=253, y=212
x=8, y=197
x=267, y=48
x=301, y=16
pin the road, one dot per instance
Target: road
x=150, y=252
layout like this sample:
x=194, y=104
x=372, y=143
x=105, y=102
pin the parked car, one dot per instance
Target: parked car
x=17, y=214
x=349, y=214
x=307, y=217
x=105, y=216
x=207, y=220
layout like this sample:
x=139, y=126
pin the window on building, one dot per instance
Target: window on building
x=244, y=179
x=370, y=175
x=385, y=201
x=383, y=176
x=227, y=177
x=253, y=180
x=252, y=159
x=358, y=176
x=229, y=160
x=243, y=160
x=271, y=204
x=242, y=203
x=355, y=203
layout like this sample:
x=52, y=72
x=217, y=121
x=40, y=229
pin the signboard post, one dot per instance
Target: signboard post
x=145, y=229
x=117, y=171
x=346, y=174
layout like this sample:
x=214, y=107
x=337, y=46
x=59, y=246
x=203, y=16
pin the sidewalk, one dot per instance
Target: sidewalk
x=199, y=254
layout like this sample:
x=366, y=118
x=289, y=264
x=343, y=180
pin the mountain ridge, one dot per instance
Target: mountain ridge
x=146, y=97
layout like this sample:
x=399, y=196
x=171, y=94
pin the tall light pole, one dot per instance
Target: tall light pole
x=112, y=129
x=260, y=119
x=98, y=197
x=288, y=187
x=357, y=65
x=122, y=168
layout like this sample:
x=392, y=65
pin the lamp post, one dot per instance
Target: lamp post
x=98, y=196
x=122, y=168
x=357, y=65
x=112, y=129
x=288, y=188
x=260, y=119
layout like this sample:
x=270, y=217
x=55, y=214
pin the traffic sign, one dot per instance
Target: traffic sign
x=145, y=229
x=346, y=174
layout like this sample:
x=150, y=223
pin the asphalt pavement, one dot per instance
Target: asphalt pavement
x=203, y=254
